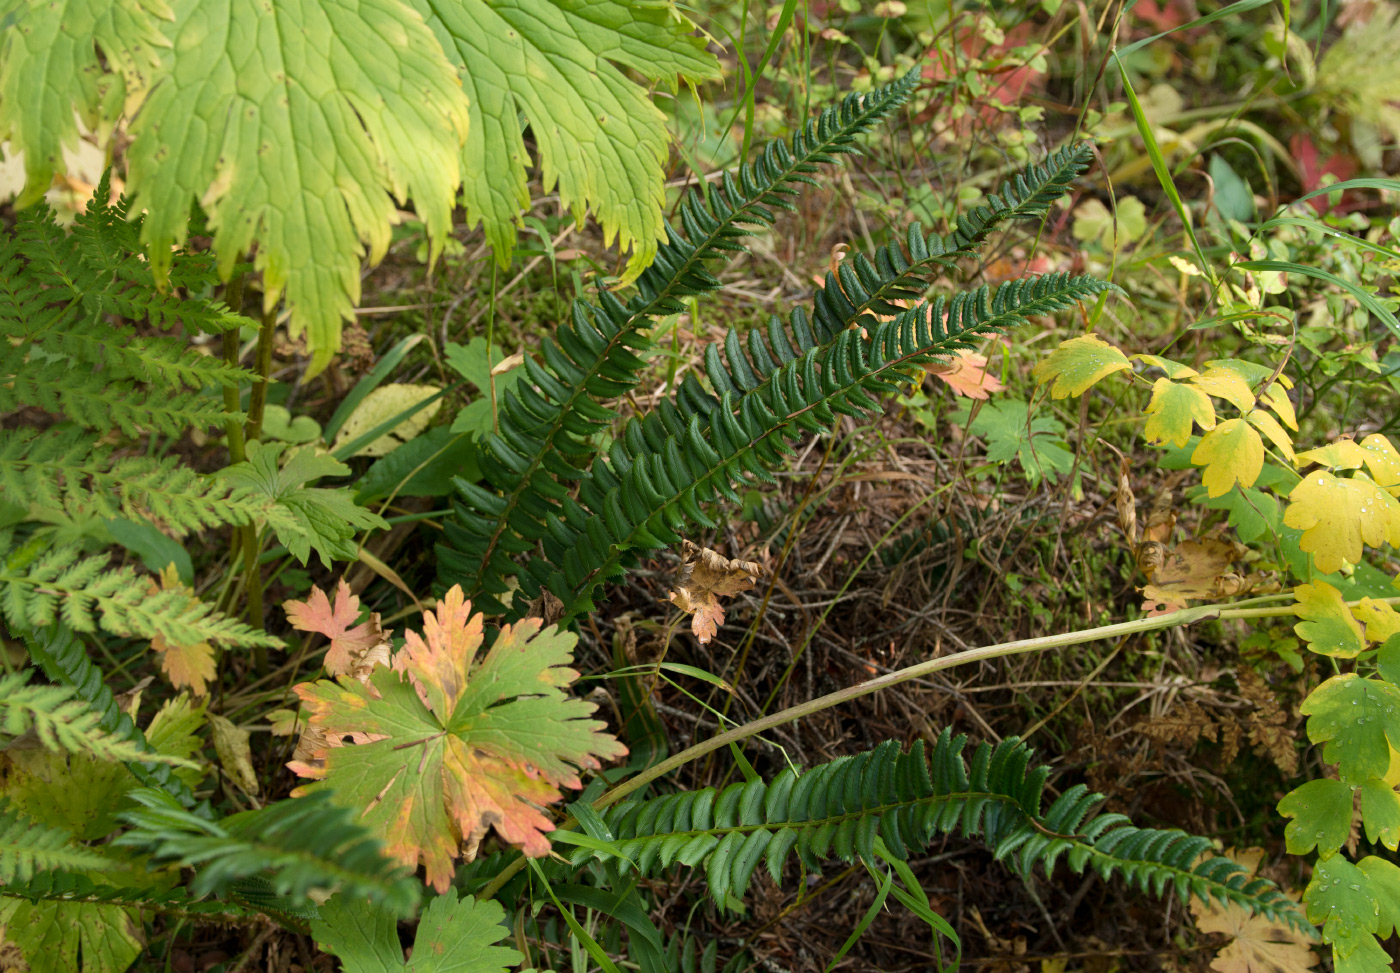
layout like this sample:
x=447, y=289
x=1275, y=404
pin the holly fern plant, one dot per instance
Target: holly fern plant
x=447, y=749
x=300, y=125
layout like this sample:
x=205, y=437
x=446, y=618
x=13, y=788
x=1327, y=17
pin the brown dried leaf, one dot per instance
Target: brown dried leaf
x=1257, y=944
x=1198, y=570
x=705, y=577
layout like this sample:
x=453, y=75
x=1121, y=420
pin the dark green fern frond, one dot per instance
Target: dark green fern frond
x=64, y=886
x=65, y=469
x=295, y=845
x=547, y=422
x=41, y=584
x=28, y=847
x=665, y=468
x=65, y=661
x=837, y=810
x=870, y=286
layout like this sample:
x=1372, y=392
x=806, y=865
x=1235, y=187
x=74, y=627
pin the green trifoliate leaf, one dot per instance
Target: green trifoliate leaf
x=562, y=64
x=1321, y=813
x=297, y=124
x=1354, y=718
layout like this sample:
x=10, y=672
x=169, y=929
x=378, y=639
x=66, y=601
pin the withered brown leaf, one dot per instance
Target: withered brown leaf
x=706, y=576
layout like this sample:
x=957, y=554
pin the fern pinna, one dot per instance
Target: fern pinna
x=905, y=799
x=577, y=518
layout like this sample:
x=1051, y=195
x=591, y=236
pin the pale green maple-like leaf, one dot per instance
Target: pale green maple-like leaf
x=50, y=71
x=1012, y=433
x=600, y=138
x=454, y=936
x=296, y=124
x=1354, y=718
x=457, y=746
x=305, y=518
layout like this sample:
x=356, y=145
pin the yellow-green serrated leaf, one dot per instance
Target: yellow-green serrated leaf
x=1344, y=454
x=459, y=745
x=562, y=64
x=1340, y=896
x=1328, y=625
x=1337, y=516
x=50, y=70
x=1227, y=384
x=1384, y=879
x=1357, y=720
x=1172, y=410
x=379, y=407
x=1078, y=363
x=1175, y=370
x=1269, y=426
x=1380, y=813
x=1231, y=453
x=1321, y=813
x=1382, y=460
x=296, y=124
x=1252, y=372
x=1381, y=620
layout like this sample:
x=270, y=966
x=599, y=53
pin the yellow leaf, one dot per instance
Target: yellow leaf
x=1172, y=410
x=1269, y=426
x=1276, y=398
x=1380, y=619
x=1382, y=460
x=1337, y=516
x=1231, y=452
x=380, y=406
x=1344, y=454
x=1078, y=363
x=231, y=744
x=1227, y=384
x=1327, y=625
x=1174, y=369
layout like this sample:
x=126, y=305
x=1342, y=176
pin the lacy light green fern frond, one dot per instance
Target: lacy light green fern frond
x=906, y=799
x=548, y=423
x=28, y=847
x=41, y=584
x=66, y=470
x=61, y=722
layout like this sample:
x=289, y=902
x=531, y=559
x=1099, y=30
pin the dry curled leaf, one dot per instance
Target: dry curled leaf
x=705, y=577
x=1199, y=570
x=356, y=649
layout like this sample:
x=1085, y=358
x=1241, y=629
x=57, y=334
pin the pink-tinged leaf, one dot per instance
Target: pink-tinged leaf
x=350, y=646
x=966, y=375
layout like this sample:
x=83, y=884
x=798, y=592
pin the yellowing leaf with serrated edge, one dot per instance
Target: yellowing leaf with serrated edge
x=1226, y=384
x=1078, y=363
x=1174, y=369
x=1381, y=620
x=1344, y=454
x=380, y=406
x=1382, y=460
x=1269, y=426
x=1231, y=453
x=1328, y=625
x=457, y=743
x=1338, y=515
x=297, y=124
x=1172, y=410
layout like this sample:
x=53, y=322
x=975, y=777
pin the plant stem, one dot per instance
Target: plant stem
x=251, y=539
x=233, y=297
x=257, y=398
x=1187, y=616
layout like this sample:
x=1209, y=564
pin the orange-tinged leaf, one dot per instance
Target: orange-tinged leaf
x=1227, y=384
x=186, y=666
x=1231, y=453
x=706, y=577
x=349, y=645
x=1338, y=515
x=966, y=375
x=1078, y=363
x=1269, y=426
x=1257, y=944
x=456, y=745
x=1172, y=410
x=1327, y=625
